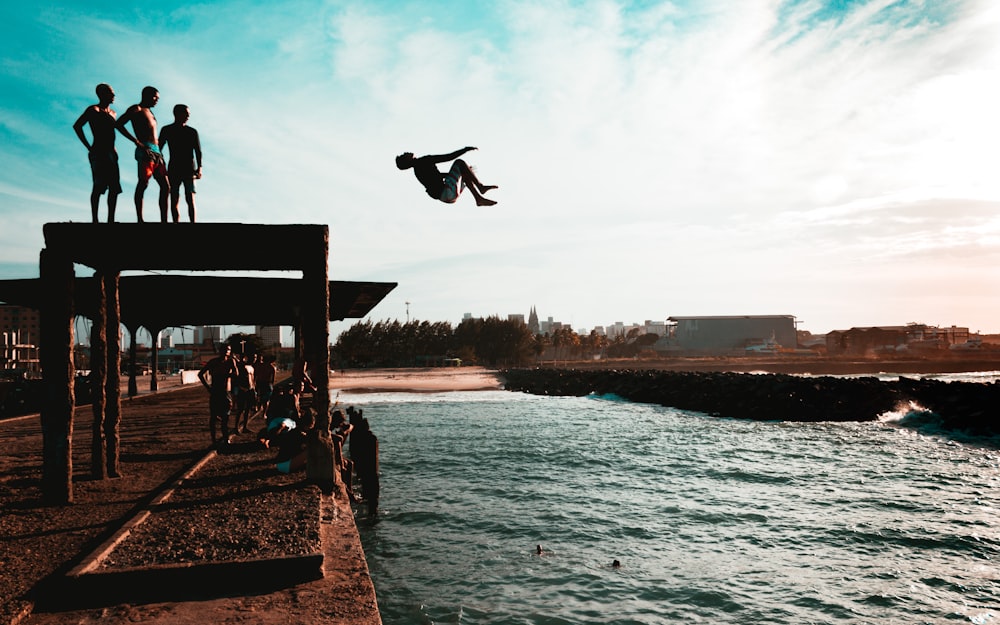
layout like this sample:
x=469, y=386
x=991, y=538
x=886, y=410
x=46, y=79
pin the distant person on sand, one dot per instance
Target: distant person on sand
x=103, y=157
x=185, y=160
x=217, y=376
x=265, y=373
x=147, y=151
x=446, y=186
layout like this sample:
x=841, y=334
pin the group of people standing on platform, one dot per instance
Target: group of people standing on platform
x=179, y=138
x=245, y=385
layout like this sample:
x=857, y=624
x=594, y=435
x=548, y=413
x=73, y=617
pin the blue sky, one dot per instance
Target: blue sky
x=836, y=161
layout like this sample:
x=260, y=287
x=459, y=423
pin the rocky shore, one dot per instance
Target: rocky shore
x=968, y=407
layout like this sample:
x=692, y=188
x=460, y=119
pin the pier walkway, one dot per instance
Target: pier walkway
x=52, y=556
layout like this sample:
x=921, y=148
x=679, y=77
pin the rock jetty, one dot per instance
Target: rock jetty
x=966, y=406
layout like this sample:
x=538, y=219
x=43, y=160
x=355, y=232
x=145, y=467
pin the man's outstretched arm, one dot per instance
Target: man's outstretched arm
x=444, y=158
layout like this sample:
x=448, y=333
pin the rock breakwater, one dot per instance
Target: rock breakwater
x=967, y=406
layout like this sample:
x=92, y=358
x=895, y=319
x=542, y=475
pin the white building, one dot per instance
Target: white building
x=270, y=336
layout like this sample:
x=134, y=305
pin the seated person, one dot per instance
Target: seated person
x=291, y=444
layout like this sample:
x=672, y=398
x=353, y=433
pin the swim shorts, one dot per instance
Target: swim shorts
x=451, y=189
x=104, y=168
x=150, y=161
x=220, y=404
x=179, y=178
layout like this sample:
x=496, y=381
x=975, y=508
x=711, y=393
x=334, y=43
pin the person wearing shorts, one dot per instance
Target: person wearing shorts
x=218, y=376
x=101, y=153
x=446, y=187
x=147, y=152
x=185, y=160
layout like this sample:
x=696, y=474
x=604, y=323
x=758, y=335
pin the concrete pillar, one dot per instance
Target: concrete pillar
x=320, y=466
x=154, y=362
x=113, y=406
x=56, y=357
x=133, y=386
x=98, y=378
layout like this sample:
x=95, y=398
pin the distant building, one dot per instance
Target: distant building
x=270, y=336
x=727, y=333
x=914, y=336
x=533, y=325
x=659, y=328
x=19, y=338
x=515, y=317
x=19, y=319
x=208, y=333
x=17, y=353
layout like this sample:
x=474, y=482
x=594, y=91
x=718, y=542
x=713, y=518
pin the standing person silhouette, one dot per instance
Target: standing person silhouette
x=102, y=154
x=185, y=160
x=147, y=151
x=218, y=376
x=446, y=186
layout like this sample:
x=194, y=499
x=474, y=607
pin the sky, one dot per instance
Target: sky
x=833, y=160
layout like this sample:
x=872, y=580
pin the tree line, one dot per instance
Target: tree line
x=491, y=341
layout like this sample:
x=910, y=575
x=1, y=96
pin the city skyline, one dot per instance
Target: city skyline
x=831, y=160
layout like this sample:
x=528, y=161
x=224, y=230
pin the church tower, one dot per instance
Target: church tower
x=533, y=322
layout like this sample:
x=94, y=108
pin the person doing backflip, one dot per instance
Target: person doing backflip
x=103, y=157
x=446, y=187
x=147, y=150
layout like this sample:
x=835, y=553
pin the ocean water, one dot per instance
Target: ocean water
x=712, y=520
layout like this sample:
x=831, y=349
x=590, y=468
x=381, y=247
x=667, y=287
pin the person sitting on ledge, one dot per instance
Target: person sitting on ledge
x=291, y=443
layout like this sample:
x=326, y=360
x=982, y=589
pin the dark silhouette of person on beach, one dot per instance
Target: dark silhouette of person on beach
x=101, y=152
x=184, y=166
x=217, y=376
x=446, y=187
x=147, y=151
x=301, y=382
x=266, y=372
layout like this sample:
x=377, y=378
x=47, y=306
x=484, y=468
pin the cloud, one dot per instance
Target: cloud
x=690, y=157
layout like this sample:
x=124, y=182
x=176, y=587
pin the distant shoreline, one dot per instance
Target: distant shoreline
x=795, y=365
x=477, y=378
x=415, y=380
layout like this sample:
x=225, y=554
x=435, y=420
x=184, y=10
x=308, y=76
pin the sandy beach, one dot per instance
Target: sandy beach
x=425, y=380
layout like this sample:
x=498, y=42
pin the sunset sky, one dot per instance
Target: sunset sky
x=833, y=160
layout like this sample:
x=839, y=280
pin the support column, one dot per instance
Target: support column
x=133, y=386
x=113, y=407
x=320, y=466
x=56, y=358
x=154, y=359
x=98, y=378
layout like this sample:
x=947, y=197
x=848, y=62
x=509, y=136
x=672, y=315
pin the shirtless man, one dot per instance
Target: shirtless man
x=217, y=376
x=446, y=187
x=266, y=373
x=147, y=150
x=103, y=157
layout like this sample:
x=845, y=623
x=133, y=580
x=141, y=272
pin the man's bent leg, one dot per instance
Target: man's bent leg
x=475, y=187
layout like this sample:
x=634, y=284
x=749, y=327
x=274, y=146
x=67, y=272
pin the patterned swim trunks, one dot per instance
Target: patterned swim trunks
x=150, y=160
